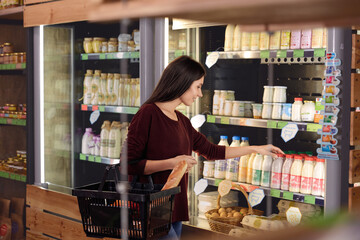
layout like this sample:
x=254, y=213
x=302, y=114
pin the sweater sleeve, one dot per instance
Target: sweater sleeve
x=137, y=139
x=205, y=148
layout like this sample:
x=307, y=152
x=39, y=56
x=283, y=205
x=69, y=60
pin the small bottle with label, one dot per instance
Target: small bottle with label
x=257, y=169
x=295, y=174
x=276, y=171
x=307, y=175
x=216, y=102
x=249, y=173
x=266, y=171
x=285, y=176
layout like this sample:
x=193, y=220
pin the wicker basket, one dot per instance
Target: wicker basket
x=216, y=222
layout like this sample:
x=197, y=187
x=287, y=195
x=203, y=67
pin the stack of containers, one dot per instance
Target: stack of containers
x=274, y=103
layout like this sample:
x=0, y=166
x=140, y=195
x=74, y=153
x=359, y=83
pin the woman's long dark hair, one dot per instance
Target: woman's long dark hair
x=176, y=79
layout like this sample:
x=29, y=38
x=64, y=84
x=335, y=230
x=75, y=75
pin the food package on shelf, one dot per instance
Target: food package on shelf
x=271, y=223
x=307, y=210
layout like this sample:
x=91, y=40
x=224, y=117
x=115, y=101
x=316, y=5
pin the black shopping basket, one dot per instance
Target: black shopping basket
x=149, y=208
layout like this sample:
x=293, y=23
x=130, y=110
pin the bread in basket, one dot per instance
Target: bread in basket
x=220, y=222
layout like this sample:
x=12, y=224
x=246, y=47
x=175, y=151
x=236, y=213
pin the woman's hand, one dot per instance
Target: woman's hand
x=189, y=160
x=268, y=150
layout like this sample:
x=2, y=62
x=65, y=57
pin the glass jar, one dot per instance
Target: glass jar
x=268, y=94
x=104, y=47
x=276, y=111
x=228, y=107
x=279, y=94
x=7, y=48
x=96, y=44
x=12, y=58
x=6, y=58
x=12, y=107
x=22, y=57
x=230, y=95
x=267, y=110
x=87, y=44
x=2, y=58
x=112, y=46
x=238, y=109
x=209, y=169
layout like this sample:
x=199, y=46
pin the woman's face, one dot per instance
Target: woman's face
x=193, y=92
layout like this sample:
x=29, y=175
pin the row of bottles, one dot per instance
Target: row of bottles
x=236, y=39
x=108, y=143
x=111, y=89
x=291, y=172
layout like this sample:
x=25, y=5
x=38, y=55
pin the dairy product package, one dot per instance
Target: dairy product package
x=305, y=209
x=271, y=223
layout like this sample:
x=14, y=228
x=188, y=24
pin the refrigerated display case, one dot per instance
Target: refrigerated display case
x=302, y=71
x=62, y=114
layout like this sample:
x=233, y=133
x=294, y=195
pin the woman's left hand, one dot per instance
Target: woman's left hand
x=268, y=150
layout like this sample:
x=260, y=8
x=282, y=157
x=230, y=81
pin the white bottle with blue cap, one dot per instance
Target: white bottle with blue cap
x=220, y=165
x=244, y=142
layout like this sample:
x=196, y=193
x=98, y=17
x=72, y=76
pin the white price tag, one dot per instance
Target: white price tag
x=224, y=187
x=211, y=59
x=256, y=197
x=289, y=131
x=293, y=216
x=94, y=116
x=200, y=186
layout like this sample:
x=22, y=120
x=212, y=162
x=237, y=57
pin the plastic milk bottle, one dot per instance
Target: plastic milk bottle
x=285, y=176
x=266, y=171
x=295, y=174
x=276, y=171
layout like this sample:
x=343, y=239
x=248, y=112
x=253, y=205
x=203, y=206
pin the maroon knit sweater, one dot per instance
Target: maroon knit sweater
x=154, y=136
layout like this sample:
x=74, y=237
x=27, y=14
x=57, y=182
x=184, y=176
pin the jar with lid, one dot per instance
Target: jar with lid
x=96, y=44
x=267, y=110
x=13, y=58
x=268, y=94
x=112, y=46
x=276, y=111
x=308, y=111
x=104, y=47
x=238, y=109
x=248, y=109
x=1, y=45
x=215, y=106
x=209, y=169
x=22, y=57
x=279, y=94
x=222, y=99
x=2, y=114
x=7, y=48
x=1, y=58
x=296, y=110
x=87, y=44
x=12, y=107
x=6, y=58
x=286, y=111
x=228, y=107
x=230, y=95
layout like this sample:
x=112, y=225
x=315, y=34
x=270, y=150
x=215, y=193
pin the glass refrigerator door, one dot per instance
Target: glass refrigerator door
x=53, y=105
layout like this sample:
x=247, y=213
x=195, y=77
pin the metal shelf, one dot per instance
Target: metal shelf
x=298, y=197
x=290, y=56
x=110, y=109
x=12, y=121
x=261, y=123
x=98, y=159
x=108, y=56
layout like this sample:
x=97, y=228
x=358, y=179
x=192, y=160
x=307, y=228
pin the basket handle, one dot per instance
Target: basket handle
x=116, y=167
x=243, y=192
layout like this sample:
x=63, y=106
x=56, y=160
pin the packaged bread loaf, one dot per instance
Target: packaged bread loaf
x=176, y=175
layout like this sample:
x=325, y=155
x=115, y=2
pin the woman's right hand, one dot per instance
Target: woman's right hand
x=189, y=160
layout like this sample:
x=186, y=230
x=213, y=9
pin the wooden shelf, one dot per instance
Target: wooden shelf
x=15, y=13
x=260, y=14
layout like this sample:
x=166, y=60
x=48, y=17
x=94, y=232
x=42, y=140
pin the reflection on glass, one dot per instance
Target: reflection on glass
x=57, y=100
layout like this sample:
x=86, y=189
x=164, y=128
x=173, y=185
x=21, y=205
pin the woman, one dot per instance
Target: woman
x=159, y=137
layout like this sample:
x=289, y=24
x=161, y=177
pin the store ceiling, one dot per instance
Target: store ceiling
x=260, y=14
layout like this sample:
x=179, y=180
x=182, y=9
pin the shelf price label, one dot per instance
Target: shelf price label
x=280, y=125
x=225, y=120
x=298, y=53
x=84, y=107
x=211, y=119
x=94, y=116
x=256, y=197
x=275, y=193
x=319, y=52
x=82, y=156
x=102, y=108
x=288, y=195
x=91, y=158
x=293, y=216
x=200, y=186
x=271, y=124
x=309, y=199
x=98, y=159
x=312, y=127
x=102, y=56
x=281, y=54
x=224, y=187
x=84, y=57
x=265, y=54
